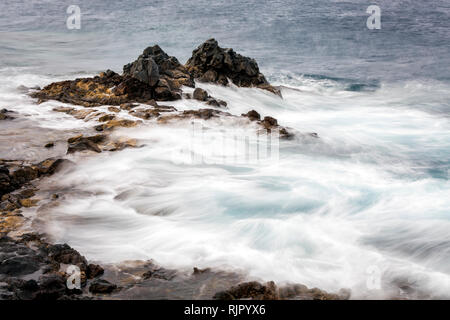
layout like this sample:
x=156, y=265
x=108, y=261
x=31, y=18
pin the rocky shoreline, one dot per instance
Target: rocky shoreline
x=33, y=268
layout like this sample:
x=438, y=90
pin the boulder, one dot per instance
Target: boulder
x=4, y=114
x=200, y=94
x=211, y=63
x=102, y=286
x=252, y=115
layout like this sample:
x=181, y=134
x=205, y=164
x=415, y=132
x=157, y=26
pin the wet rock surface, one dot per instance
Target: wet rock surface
x=269, y=291
x=108, y=88
x=32, y=269
x=5, y=114
x=211, y=63
x=155, y=75
x=201, y=95
x=14, y=174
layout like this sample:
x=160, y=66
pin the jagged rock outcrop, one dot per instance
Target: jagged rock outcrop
x=14, y=174
x=108, y=88
x=211, y=63
x=161, y=71
x=155, y=75
x=4, y=114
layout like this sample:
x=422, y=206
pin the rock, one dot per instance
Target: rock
x=252, y=115
x=83, y=145
x=114, y=109
x=49, y=145
x=204, y=114
x=200, y=94
x=4, y=116
x=63, y=109
x=50, y=166
x=128, y=106
x=51, y=287
x=171, y=71
x=63, y=253
x=284, y=134
x=107, y=117
x=198, y=271
x=108, y=88
x=144, y=69
x=94, y=270
x=211, y=63
x=28, y=203
x=19, y=265
x=15, y=174
x=216, y=102
x=250, y=290
x=171, y=74
x=125, y=123
x=121, y=144
x=102, y=286
x=159, y=273
x=269, y=122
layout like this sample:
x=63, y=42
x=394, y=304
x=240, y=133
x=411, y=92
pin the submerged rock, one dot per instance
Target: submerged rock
x=102, y=287
x=252, y=115
x=4, y=114
x=250, y=290
x=14, y=174
x=201, y=95
x=211, y=63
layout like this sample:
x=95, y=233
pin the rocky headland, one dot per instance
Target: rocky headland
x=32, y=267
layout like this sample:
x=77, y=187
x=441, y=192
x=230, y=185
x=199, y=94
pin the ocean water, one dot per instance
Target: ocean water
x=366, y=206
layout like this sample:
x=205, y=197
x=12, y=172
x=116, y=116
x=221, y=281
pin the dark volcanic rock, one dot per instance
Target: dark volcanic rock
x=161, y=71
x=14, y=174
x=30, y=256
x=102, y=286
x=81, y=143
x=19, y=265
x=94, y=270
x=144, y=69
x=211, y=63
x=200, y=94
x=108, y=88
x=250, y=290
x=63, y=253
x=252, y=115
x=51, y=287
x=4, y=114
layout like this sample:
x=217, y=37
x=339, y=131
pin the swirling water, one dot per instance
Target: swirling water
x=370, y=198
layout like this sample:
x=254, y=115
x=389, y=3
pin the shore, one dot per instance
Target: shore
x=33, y=267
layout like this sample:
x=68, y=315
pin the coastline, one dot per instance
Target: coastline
x=34, y=268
